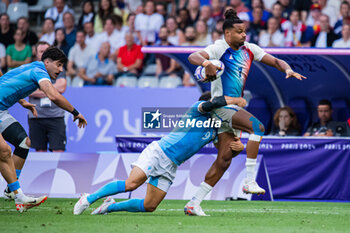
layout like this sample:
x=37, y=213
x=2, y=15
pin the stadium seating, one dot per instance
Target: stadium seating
x=147, y=81
x=77, y=82
x=17, y=10
x=40, y=7
x=150, y=70
x=302, y=110
x=126, y=81
x=170, y=82
x=341, y=110
x=260, y=109
x=2, y=7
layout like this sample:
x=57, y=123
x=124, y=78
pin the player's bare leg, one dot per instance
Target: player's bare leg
x=154, y=197
x=136, y=178
x=245, y=121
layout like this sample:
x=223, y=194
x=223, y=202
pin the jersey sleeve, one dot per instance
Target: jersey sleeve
x=39, y=75
x=258, y=52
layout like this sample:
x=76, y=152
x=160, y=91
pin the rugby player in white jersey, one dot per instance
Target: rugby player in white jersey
x=237, y=56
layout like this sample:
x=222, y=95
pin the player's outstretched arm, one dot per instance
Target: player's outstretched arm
x=200, y=58
x=51, y=92
x=282, y=66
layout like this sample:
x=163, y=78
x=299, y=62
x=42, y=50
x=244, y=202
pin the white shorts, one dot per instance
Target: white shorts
x=157, y=166
x=6, y=120
x=225, y=114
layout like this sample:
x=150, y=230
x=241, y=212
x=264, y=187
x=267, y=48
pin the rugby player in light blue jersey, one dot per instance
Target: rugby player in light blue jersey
x=237, y=56
x=159, y=162
x=14, y=86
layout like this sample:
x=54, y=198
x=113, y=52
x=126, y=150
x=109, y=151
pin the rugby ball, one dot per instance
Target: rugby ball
x=200, y=71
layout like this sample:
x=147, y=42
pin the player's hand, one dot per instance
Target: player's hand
x=236, y=145
x=210, y=72
x=241, y=102
x=30, y=107
x=290, y=73
x=82, y=121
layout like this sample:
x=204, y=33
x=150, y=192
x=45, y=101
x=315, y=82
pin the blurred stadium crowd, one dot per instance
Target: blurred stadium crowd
x=103, y=39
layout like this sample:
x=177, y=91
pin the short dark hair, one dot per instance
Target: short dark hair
x=22, y=17
x=55, y=54
x=81, y=31
x=41, y=43
x=231, y=18
x=325, y=102
x=205, y=96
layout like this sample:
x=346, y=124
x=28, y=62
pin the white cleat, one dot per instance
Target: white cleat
x=251, y=187
x=103, y=208
x=194, y=210
x=81, y=205
x=8, y=195
x=28, y=202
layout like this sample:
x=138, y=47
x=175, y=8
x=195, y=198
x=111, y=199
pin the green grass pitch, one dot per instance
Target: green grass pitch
x=55, y=215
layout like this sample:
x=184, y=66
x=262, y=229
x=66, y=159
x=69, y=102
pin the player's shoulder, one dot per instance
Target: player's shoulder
x=251, y=46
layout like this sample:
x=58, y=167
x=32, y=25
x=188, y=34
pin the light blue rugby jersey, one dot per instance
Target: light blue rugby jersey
x=237, y=64
x=182, y=143
x=21, y=82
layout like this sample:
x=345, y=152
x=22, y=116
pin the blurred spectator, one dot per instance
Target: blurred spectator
x=215, y=35
x=257, y=25
x=205, y=15
x=56, y=12
x=48, y=32
x=183, y=19
x=160, y=9
x=147, y=24
x=343, y=42
x=18, y=53
x=314, y=17
x=7, y=2
x=91, y=36
x=216, y=9
x=130, y=27
x=239, y=6
x=133, y=5
x=295, y=32
x=187, y=80
x=177, y=5
x=344, y=14
x=219, y=26
x=30, y=37
x=330, y=10
x=190, y=36
x=2, y=56
x=273, y=37
x=6, y=32
x=69, y=28
x=277, y=11
x=326, y=37
x=165, y=65
x=99, y=69
x=130, y=57
x=193, y=8
x=175, y=36
x=78, y=55
x=265, y=14
x=203, y=37
x=115, y=38
x=60, y=41
x=105, y=10
x=285, y=123
x=119, y=25
x=303, y=7
x=326, y=126
x=49, y=127
x=287, y=8
x=88, y=13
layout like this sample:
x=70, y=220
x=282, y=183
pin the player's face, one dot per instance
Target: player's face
x=324, y=113
x=54, y=68
x=237, y=35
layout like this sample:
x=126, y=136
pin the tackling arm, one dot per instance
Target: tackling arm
x=200, y=58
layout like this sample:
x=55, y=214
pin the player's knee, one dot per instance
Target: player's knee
x=5, y=153
x=150, y=207
x=257, y=127
x=130, y=186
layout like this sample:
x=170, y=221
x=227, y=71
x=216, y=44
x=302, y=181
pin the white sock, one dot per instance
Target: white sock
x=203, y=190
x=250, y=167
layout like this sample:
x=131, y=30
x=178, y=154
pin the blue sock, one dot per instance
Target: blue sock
x=18, y=173
x=14, y=186
x=132, y=205
x=107, y=190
